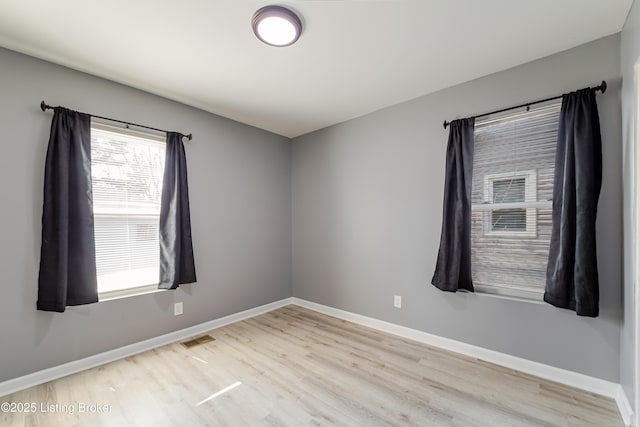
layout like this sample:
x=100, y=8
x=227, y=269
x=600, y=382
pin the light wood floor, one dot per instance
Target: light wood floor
x=297, y=367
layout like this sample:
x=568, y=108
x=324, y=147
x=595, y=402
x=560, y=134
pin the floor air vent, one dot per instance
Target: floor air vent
x=197, y=341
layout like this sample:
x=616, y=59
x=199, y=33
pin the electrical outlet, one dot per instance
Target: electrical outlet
x=397, y=301
x=177, y=309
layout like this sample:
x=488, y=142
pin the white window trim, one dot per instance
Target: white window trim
x=95, y=124
x=488, y=288
x=140, y=289
x=128, y=292
x=530, y=189
x=511, y=292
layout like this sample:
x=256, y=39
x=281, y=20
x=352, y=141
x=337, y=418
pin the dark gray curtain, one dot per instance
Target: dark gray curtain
x=67, y=255
x=453, y=267
x=176, y=250
x=572, y=271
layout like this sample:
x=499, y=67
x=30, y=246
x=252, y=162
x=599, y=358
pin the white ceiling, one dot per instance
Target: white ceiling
x=354, y=57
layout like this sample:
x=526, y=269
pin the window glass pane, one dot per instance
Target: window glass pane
x=508, y=190
x=127, y=174
x=509, y=219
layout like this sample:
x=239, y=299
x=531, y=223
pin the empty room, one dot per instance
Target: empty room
x=320, y=212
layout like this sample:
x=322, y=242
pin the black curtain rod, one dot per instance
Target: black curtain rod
x=44, y=106
x=602, y=88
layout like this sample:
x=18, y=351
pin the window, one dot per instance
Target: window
x=126, y=170
x=506, y=196
x=512, y=192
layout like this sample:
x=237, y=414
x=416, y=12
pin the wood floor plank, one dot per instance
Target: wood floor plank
x=297, y=367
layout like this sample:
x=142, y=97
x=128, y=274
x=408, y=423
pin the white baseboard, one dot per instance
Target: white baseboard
x=50, y=374
x=573, y=379
x=563, y=376
x=624, y=406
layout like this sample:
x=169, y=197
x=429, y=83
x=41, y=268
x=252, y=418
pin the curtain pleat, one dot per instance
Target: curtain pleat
x=177, y=264
x=67, y=257
x=572, y=270
x=453, y=266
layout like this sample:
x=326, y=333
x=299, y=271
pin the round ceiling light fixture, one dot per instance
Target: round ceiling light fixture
x=276, y=26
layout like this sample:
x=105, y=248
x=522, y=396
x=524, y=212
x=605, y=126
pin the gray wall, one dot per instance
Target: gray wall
x=367, y=203
x=630, y=55
x=239, y=180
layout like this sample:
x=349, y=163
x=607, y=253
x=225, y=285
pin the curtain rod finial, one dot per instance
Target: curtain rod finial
x=603, y=86
x=43, y=106
x=189, y=137
x=445, y=124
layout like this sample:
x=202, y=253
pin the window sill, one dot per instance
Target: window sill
x=488, y=292
x=130, y=292
x=514, y=234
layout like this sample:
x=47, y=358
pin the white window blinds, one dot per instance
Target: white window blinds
x=513, y=169
x=126, y=170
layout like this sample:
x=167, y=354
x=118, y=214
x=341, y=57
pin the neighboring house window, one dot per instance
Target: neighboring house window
x=126, y=170
x=506, y=196
x=513, y=169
